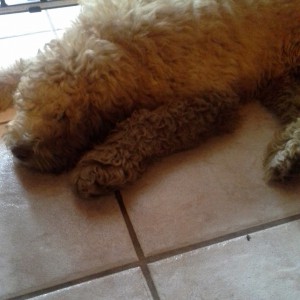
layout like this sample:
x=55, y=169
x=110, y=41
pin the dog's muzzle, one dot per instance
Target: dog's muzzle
x=22, y=152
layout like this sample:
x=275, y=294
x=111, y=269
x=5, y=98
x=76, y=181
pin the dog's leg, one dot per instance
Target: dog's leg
x=9, y=79
x=282, y=98
x=147, y=135
x=282, y=159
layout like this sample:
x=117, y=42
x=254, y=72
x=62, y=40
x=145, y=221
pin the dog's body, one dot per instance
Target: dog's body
x=133, y=80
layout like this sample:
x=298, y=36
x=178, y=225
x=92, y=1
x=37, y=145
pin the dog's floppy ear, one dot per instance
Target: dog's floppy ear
x=9, y=80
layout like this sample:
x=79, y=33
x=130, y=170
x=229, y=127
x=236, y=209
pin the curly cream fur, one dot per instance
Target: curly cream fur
x=134, y=80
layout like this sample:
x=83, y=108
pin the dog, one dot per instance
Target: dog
x=135, y=80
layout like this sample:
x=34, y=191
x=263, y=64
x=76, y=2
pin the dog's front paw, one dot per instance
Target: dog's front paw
x=95, y=179
x=284, y=163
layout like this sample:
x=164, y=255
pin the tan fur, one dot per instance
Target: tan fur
x=134, y=80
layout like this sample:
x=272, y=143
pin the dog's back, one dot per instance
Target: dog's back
x=217, y=44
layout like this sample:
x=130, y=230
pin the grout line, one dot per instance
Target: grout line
x=43, y=5
x=132, y=233
x=226, y=237
x=25, y=34
x=50, y=22
x=75, y=282
x=144, y=261
x=53, y=27
x=137, y=246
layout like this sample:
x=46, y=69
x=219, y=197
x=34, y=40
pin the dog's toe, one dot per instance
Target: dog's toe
x=86, y=189
x=277, y=170
x=96, y=180
x=282, y=166
x=85, y=182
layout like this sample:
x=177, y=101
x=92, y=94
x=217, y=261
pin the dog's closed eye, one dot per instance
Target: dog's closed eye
x=61, y=116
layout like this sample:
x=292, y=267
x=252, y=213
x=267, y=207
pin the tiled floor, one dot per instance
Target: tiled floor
x=199, y=225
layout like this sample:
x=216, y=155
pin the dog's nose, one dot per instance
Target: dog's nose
x=22, y=153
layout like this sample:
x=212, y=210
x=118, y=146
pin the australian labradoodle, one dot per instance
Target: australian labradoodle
x=134, y=80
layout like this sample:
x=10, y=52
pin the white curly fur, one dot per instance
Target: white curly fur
x=133, y=80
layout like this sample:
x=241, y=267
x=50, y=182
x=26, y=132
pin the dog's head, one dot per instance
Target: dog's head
x=54, y=124
x=63, y=103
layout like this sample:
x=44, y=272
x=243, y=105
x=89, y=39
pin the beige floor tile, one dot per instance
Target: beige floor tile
x=2, y=129
x=265, y=267
x=23, y=46
x=62, y=18
x=4, y=118
x=23, y=23
x=7, y=115
x=59, y=33
x=210, y=191
x=127, y=285
x=48, y=236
